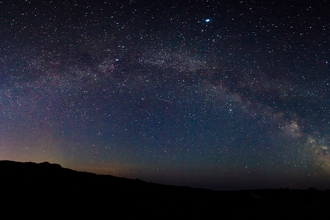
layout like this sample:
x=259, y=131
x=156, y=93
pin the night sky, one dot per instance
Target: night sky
x=215, y=94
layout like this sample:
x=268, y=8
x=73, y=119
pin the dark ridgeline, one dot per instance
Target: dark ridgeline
x=30, y=188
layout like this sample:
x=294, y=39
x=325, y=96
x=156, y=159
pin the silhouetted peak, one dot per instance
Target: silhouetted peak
x=47, y=164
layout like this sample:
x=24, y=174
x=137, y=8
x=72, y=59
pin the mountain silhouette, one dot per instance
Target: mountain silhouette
x=62, y=192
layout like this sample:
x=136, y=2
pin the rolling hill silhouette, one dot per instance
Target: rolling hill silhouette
x=60, y=191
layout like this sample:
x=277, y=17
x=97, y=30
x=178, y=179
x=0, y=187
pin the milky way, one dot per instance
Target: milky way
x=222, y=95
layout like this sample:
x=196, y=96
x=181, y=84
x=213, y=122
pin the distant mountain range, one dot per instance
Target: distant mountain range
x=60, y=191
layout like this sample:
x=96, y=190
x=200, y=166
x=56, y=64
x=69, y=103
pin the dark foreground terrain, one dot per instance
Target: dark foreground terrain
x=49, y=191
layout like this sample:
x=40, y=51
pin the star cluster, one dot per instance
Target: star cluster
x=215, y=94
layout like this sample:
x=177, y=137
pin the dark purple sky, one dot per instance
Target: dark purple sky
x=214, y=94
